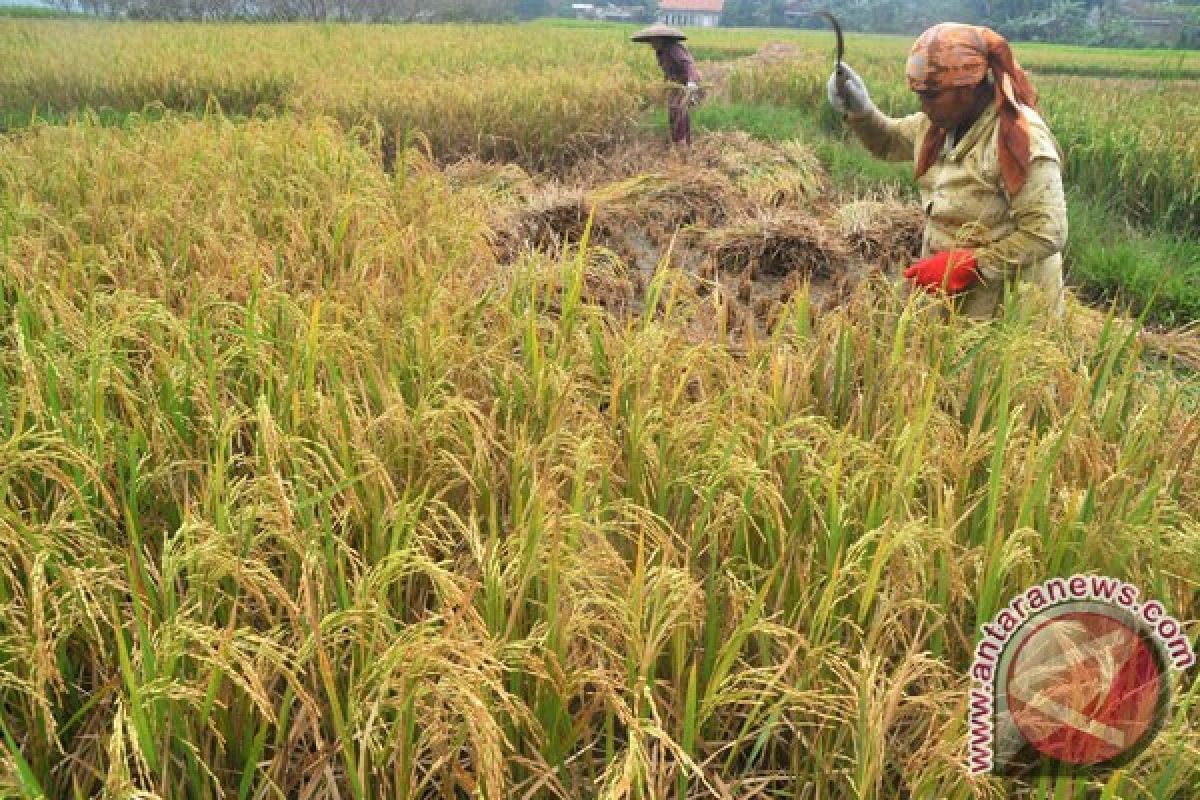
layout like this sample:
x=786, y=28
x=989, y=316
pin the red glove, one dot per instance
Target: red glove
x=953, y=271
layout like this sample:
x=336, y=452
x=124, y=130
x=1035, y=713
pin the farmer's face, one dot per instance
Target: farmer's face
x=948, y=108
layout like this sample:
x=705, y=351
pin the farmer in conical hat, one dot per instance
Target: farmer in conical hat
x=987, y=167
x=678, y=67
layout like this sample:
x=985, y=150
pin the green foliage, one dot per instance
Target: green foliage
x=764, y=122
x=1086, y=22
x=1057, y=21
x=32, y=12
x=1156, y=273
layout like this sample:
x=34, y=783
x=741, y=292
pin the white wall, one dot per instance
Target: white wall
x=693, y=19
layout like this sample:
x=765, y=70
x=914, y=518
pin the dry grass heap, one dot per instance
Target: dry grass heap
x=778, y=244
x=884, y=232
x=548, y=221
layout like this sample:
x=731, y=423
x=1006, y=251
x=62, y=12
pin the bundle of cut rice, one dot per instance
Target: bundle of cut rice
x=776, y=243
x=500, y=182
x=662, y=202
x=552, y=217
x=886, y=233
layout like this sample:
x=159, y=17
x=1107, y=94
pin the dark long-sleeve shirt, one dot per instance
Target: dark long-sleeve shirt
x=677, y=63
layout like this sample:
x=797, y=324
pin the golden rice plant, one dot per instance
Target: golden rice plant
x=491, y=94
x=303, y=496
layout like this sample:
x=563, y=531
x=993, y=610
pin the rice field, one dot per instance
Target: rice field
x=546, y=94
x=386, y=414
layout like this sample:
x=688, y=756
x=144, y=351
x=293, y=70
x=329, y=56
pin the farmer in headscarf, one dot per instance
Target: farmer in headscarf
x=987, y=167
x=678, y=67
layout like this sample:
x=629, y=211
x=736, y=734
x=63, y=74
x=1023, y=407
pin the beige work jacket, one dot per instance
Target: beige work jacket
x=967, y=206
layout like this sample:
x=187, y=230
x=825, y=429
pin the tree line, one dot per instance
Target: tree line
x=1088, y=22
x=1095, y=22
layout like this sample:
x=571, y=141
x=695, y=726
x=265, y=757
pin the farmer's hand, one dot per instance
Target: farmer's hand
x=847, y=92
x=691, y=94
x=953, y=271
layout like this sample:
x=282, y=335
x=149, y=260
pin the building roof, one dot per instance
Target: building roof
x=712, y=6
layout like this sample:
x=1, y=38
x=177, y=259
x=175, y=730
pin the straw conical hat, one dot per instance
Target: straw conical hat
x=658, y=31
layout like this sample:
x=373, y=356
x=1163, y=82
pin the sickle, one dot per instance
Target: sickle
x=841, y=47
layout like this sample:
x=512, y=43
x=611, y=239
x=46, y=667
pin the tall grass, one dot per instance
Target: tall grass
x=304, y=497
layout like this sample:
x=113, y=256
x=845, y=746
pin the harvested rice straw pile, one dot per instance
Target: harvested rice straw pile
x=550, y=219
x=783, y=189
x=645, y=194
x=635, y=158
x=738, y=153
x=770, y=174
x=735, y=155
x=607, y=282
x=661, y=202
x=777, y=243
x=500, y=183
x=884, y=232
x=655, y=204
x=1182, y=344
x=777, y=52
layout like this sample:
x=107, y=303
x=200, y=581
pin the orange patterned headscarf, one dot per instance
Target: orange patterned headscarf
x=951, y=55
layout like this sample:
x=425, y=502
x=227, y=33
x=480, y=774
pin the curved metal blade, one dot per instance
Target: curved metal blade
x=841, y=45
